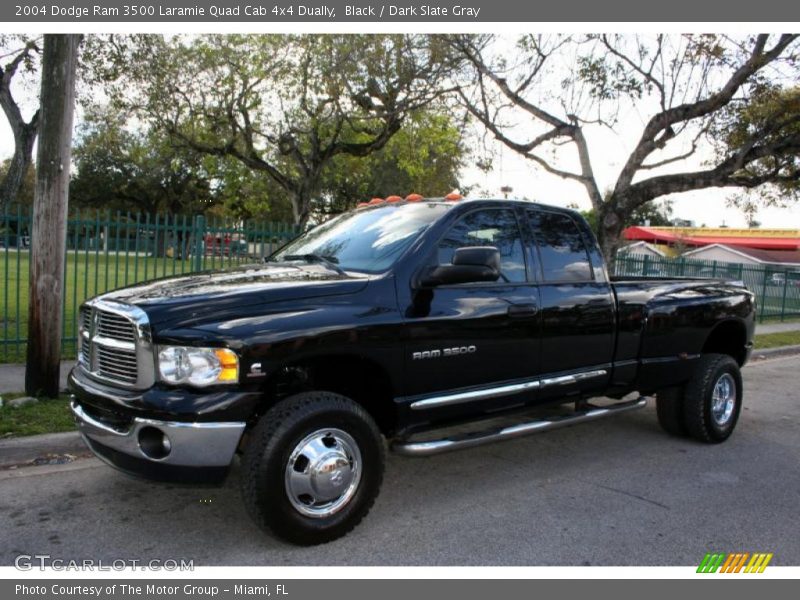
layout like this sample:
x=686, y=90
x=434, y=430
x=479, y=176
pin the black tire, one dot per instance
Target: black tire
x=278, y=434
x=701, y=420
x=669, y=408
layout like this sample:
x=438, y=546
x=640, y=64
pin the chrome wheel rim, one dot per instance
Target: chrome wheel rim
x=723, y=399
x=323, y=473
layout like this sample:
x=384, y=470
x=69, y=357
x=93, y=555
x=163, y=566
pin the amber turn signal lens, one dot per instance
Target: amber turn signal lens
x=229, y=363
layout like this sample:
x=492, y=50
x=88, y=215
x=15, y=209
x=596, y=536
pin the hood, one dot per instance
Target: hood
x=190, y=299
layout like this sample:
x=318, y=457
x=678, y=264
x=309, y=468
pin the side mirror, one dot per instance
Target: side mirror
x=470, y=265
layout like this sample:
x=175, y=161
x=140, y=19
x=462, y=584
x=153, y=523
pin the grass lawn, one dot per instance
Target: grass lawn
x=46, y=416
x=775, y=340
x=87, y=274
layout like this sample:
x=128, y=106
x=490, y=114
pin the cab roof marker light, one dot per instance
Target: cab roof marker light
x=393, y=198
x=414, y=198
x=376, y=201
x=453, y=197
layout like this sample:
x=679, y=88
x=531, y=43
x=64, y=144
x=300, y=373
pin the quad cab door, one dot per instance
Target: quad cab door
x=467, y=343
x=577, y=307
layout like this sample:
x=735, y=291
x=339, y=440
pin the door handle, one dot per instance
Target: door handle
x=522, y=310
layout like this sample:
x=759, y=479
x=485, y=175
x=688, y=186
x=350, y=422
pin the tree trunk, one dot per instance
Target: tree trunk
x=301, y=204
x=610, y=225
x=18, y=168
x=49, y=229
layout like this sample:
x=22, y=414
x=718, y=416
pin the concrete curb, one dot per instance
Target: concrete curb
x=48, y=469
x=49, y=448
x=768, y=353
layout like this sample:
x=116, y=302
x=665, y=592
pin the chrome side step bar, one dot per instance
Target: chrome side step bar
x=479, y=438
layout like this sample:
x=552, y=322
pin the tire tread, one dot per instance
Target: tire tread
x=696, y=413
x=263, y=441
x=669, y=409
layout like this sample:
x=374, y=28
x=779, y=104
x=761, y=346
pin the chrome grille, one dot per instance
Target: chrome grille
x=115, y=344
x=86, y=319
x=115, y=326
x=85, y=355
x=115, y=363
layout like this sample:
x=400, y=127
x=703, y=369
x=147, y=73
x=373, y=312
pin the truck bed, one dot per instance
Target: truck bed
x=663, y=323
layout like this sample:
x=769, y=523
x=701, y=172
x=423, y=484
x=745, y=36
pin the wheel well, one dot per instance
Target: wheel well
x=729, y=337
x=356, y=377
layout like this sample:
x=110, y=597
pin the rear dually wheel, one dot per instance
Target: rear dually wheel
x=713, y=398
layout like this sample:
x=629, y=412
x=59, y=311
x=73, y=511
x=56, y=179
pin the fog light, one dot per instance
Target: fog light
x=154, y=443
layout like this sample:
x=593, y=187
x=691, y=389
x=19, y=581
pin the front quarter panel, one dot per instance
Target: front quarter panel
x=366, y=325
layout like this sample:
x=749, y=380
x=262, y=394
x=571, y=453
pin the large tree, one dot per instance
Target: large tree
x=136, y=169
x=542, y=101
x=286, y=106
x=20, y=54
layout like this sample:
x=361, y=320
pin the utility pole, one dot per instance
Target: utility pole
x=49, y=230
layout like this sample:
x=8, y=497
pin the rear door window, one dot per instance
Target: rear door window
x=562, y=249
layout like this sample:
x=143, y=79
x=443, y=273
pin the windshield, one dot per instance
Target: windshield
x=368, y=240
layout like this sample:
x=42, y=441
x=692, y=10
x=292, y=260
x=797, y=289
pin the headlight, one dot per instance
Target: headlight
x=198, y=366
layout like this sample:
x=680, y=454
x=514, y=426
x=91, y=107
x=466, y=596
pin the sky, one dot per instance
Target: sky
x=609, y=150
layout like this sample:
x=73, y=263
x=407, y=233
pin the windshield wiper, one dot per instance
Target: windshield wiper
x=328, y=261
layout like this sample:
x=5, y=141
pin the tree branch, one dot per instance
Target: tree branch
x=729, y=173
x=10, y=107
x=679, y=157
x=659, y=128
x=559, y=128
x=477, y=61
x=251, y=158
x=648, y=75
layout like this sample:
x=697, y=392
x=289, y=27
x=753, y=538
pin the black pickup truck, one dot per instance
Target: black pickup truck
x=433, y=324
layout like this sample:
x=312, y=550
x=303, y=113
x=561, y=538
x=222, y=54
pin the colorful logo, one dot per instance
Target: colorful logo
x=738, y=562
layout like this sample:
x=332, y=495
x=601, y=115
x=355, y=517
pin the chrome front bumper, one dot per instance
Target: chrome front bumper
x=189, y=444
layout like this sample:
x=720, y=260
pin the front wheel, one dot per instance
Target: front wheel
x=713, y=398
x=312, y=468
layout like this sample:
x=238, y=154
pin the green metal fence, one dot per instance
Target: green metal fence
x=777, y=289
x=107, y=250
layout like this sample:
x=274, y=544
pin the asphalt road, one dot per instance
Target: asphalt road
x=616, y=492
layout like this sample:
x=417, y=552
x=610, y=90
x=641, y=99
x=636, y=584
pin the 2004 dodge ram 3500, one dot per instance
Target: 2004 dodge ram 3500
x=424, y=322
